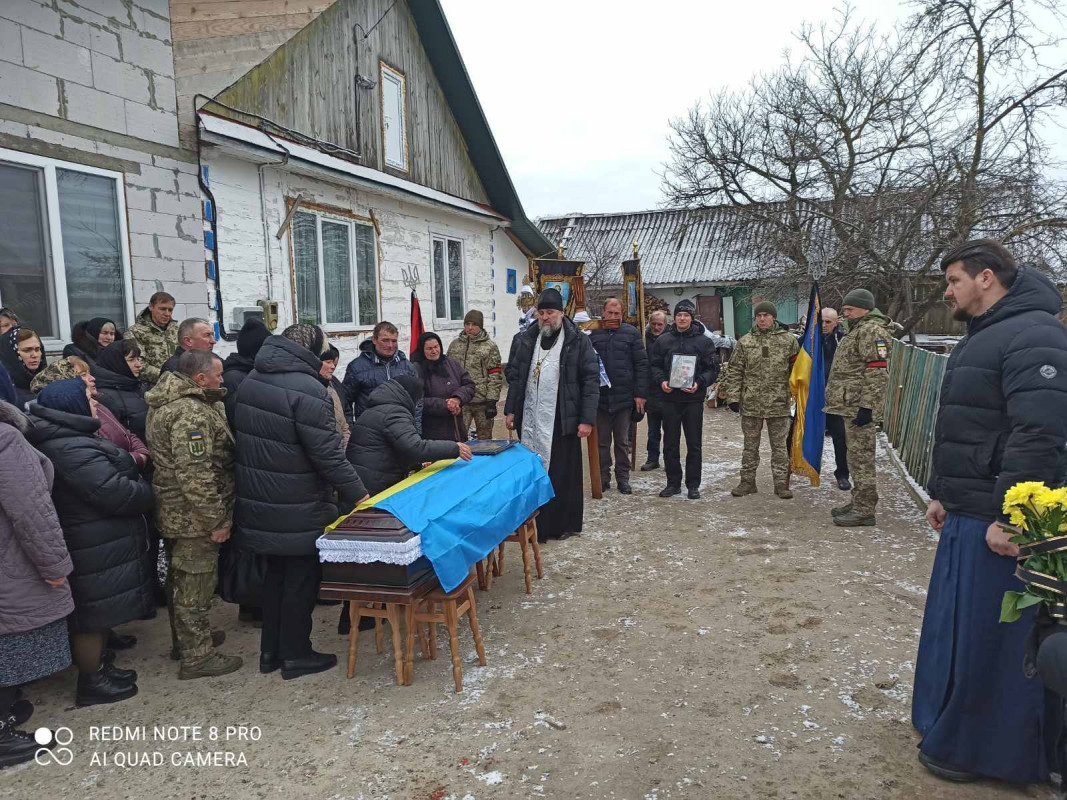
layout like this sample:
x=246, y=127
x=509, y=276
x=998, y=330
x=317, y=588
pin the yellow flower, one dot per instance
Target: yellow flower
x=1053, y=498
x=1021, y=494
x=1016, y=517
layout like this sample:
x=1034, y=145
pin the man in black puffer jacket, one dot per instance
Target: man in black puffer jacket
x=683, y=409
x=289, y=462
x=1002, y=420
x=623, y=354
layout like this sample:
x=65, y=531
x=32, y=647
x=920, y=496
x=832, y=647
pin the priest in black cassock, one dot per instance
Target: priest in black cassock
x=553, y=391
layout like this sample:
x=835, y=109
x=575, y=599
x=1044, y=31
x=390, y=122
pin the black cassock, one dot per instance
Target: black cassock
x=563, y=513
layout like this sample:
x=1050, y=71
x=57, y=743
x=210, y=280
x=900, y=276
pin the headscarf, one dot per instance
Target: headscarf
x=419, y=356
x=309, y=336
x=21, y=375
x=67, y=395
x=113, y=359
x=96, y=324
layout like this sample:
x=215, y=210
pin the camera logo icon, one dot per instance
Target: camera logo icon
x=60, y=754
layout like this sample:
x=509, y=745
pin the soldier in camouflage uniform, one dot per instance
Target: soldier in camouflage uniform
x=193, y=451
x=480, y=356
x=856, y=391
x=156, y=334
x=757, y=387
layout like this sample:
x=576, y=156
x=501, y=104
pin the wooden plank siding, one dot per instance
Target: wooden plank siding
x=307, y=84
x=218, y=41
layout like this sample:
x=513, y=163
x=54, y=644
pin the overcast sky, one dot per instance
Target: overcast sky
x=579, y=93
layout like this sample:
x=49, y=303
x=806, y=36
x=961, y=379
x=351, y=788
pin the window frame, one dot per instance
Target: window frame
x=446, y=322
x=387, y=72
x=337, y=216
x=54, y=236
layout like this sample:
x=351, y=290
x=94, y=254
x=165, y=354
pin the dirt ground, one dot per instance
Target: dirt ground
x=724, y=648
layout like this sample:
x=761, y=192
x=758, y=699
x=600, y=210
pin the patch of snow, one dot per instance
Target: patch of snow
x=491, y=778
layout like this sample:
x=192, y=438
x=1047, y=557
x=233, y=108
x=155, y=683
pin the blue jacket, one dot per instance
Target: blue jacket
x=369, y=371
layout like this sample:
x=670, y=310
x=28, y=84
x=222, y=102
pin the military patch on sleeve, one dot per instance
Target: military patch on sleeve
x=196, y=444
x=883, y=349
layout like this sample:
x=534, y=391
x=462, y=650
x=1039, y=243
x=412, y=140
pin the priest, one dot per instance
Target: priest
x=553, y=392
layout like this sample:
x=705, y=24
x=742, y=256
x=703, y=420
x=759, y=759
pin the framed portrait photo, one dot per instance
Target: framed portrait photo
x=683, y=372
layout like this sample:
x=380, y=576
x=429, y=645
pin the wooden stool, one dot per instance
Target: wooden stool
x=439, y=607
x=526, y=536
x=383, y=603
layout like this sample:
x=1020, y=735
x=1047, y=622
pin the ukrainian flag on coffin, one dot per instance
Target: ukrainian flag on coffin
x=807, y=384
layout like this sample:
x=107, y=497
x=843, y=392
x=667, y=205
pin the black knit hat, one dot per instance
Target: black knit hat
x=685, y=307
x=550, y=300
x=250, y=339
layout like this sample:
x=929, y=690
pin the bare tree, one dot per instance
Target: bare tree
x=868, y=155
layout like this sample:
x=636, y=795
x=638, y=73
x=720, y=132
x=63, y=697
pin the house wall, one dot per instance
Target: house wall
x=91, y=82
x=404, y=243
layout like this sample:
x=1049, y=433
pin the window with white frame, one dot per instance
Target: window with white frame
x=447, y=278
x=336, y=267
x=63, y=244
x=394, y=129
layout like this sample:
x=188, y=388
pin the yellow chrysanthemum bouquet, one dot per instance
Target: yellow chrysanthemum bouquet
x=1039, y=516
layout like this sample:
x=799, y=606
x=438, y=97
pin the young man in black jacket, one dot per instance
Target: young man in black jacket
x=683, y=409
x=623, y=354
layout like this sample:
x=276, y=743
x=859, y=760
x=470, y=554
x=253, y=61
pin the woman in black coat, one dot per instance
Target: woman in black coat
x=446, y=389
x=90, y=337
x=22, y=354
x=289, y=463
x=101, y=501
x=119, y=385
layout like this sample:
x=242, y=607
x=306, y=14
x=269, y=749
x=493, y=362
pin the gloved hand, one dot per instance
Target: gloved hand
x=863, y=417
x=490, y=410
x=735, y=407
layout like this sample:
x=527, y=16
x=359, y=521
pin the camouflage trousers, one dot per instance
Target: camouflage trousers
x=482, y=423
x=191, y=580
x=778, y=434
x=861, y=464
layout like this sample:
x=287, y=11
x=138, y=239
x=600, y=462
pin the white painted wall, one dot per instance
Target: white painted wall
x=406, y=229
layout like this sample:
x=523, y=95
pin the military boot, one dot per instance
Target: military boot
x=743, y=488
x=217, y=638
x=783, y=492
x=839, y=510
x=210, y=666
x=853, y=520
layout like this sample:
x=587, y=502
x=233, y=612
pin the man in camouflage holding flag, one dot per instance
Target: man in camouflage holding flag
x=193, y=451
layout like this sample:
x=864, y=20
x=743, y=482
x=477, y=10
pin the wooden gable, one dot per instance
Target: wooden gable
x=309, y=84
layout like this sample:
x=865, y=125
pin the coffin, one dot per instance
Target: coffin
x=372, y=547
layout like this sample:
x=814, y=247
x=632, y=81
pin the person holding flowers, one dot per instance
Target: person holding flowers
x=999, y=453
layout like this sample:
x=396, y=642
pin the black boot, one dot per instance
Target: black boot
x=98, y=688
x=308, y=665
x=268, y=662
x=16, y=746
x=117, y=641
x=21, y=710
x=119, y=674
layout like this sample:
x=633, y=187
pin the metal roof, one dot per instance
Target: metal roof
x=678, y=246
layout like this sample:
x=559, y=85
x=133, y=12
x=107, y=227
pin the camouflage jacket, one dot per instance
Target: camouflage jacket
x=481, y=358
x=193, y=451
x=860, y=376
x=758, y=376
x=157, y=344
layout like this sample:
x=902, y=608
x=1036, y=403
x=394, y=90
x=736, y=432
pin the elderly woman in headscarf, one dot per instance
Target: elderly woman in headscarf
x=289, y=463
x=90, y=337
x=446, y=388
x=22, y=354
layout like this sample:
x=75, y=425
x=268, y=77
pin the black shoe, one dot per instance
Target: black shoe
x=649, y=465
x=20, y=711
x=117, y=641
x=268, y=662
x=671, y=491
x=624, y=488
x=107, y=656
x=308, y=665
x=694, y=494
x=118, y=674
x=16, y=747
x=844, y=485
x=98, y=688
x=946, y=771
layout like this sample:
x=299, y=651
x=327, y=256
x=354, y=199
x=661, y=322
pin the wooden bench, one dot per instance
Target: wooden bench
x=446, y=608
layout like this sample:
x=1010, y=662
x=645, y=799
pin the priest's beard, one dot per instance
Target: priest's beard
x=551, y=328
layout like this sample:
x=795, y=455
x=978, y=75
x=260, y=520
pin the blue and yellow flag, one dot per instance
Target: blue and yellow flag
x=807, y=383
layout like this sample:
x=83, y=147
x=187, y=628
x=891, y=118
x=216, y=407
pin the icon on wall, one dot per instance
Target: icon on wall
x=512, y=281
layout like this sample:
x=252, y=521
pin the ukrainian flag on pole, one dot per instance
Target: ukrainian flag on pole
x=807, y=384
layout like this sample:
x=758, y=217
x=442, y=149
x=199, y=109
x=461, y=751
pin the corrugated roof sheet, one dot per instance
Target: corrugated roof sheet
x=678, y=246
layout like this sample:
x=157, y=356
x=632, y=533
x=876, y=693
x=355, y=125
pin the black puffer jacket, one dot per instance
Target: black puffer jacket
x=579, y=380
x=101, y=501
x=655, y=391
x=691, y=342
x=385, y=445
x=626, y=363
x=289, y=457
x=1002, y=415
x=234, y=370
x=124, y=397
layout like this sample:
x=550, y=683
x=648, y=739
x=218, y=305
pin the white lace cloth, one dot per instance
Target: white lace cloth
x=358, y=551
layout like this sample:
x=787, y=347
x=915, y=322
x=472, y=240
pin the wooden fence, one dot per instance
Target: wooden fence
x=911, y=405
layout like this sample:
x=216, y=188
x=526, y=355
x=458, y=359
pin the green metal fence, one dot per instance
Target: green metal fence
x=911, y=405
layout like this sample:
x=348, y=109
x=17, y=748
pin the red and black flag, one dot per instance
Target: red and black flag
x=417, y=328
